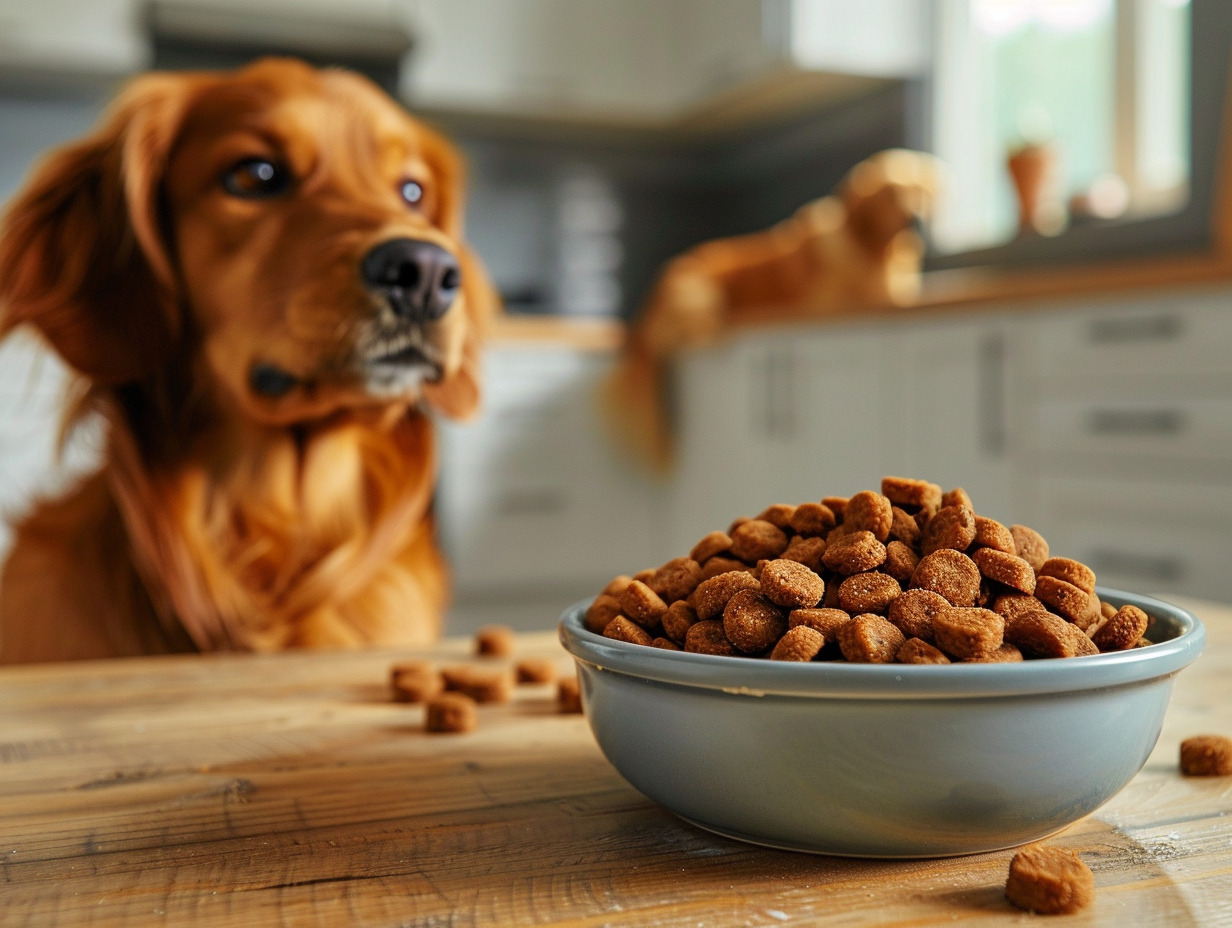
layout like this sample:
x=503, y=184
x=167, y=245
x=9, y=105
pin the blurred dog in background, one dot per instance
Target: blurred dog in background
x=854, y=249
x=260, y=280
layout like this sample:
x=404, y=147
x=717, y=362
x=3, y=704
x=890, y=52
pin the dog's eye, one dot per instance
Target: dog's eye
x=255, y=178
x=412, y=192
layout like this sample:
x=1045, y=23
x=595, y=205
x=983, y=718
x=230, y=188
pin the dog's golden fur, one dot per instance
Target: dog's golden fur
x=224, y=517
x=855, y=248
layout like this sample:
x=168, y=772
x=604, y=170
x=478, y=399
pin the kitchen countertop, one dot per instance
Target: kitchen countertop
x=290, y=790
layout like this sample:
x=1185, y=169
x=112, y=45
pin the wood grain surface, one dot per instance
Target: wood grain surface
x=289, y=790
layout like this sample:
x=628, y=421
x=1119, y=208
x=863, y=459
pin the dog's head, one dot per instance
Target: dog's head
x=291, y=232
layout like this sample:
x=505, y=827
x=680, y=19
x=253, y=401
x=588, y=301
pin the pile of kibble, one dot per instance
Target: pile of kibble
x=910, y=575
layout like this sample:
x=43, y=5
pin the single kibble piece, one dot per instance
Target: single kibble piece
x=719, y=564
x=812, y=520
x=836, y=504
x=869, y=512
x=711, y=596
x=678, y=619
x=957, y=497
x=778, y=515
x=1068, y=601
x=532, y=670
x=707, y=637
x=621, y=629
x=714, y=543
x=1007, y=569
x=870, y=639
x=950, y=573
x=752, y=623
x=617, y=585
x=481, y=685
x=602, y=610
x=1030, y=545
x=494, y=641
x=911, y=494
x=665, y=644
x=989, y=533
x=950, y=527
x=1206, y=756
x=1042, y=634
x=1071, y=571
x=807, y=551
x=415, y=681
x=854, y=553
x=967, y=632
x=757, y=540
x=642, y=604
x=801, y=643
x=919, y=651
x=913, y=612
x=452, y=713
x=1006, y=654
x=569, y=694
x=676, y=579
x=790, y=584
x=901, y=561
x=870, y=592
x=1122, y=631
x=904, y=528
x=1049, y=880
x=826, y=621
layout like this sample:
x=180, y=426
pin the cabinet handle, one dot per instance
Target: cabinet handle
x=1145, y=567
x=1137, y=422
x=774, y=417
x=530, y=502
x=1160, y=328
x=991, y=399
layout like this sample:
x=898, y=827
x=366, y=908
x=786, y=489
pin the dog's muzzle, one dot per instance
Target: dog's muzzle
x=418, y=280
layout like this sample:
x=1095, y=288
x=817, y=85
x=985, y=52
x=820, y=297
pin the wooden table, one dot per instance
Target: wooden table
x=289, y=790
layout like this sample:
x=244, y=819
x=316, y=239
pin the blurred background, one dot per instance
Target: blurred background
x=605, y=137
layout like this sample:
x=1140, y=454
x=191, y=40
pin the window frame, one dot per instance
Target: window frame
x=1186, y=230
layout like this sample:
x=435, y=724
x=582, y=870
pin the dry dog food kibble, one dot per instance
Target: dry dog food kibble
x=791, y=585
x=494, y=641
x=452, y=713
x=909, y=574
x=568, y=694
x=1206, y=756
x=1049, y=880
x=481, y=685
x=531, y=670
x=415, y=681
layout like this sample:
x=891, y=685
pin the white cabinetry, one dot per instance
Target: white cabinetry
x=1132, y=440
x=86, y=37
x=803, y=412
x=532, y=500
x=645, y=61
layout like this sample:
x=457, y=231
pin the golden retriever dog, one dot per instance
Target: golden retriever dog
x=260, y=281
x=856, y=248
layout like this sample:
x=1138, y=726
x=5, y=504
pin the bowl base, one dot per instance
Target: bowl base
x=822, y=852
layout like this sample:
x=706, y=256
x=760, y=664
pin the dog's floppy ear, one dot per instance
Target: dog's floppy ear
x=459, y=393
x=82, y=251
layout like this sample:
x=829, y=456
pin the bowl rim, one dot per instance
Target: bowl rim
x=829, y=679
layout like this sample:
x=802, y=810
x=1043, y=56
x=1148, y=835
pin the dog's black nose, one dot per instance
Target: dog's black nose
x=419, y=279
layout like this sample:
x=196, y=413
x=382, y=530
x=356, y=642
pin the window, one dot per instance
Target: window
x=1092, y=96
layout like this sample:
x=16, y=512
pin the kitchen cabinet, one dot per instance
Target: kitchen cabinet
x=810, y=411
x=88, y=38
x=533, y=501
x=1131, y=439
x=649, y=63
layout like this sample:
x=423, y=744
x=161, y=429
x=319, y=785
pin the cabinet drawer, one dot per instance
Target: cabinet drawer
x=1147, y=537
x=1182, y=427
x=1178, y=336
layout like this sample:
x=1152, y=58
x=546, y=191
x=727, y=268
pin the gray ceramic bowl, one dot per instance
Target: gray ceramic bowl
x=885, y=760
